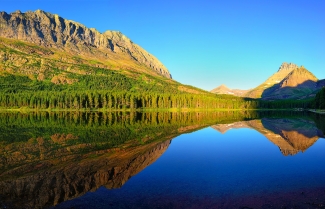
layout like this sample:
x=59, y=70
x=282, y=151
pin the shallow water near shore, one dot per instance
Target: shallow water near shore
x=177, y=160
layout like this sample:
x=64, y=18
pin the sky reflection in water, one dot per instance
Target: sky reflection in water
x=209, y=164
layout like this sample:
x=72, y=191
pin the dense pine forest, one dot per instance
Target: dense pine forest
x=87, y=94
x=319, y=102
x=123, y=93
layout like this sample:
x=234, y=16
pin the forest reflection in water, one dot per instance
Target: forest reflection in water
x=48, y=158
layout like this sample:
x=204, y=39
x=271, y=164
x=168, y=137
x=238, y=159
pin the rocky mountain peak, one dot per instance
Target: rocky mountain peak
x=50, y=30
x=287, y=67
x=299, y=76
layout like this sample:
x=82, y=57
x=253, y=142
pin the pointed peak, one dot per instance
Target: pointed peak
x=222, y=85
x=287, y=66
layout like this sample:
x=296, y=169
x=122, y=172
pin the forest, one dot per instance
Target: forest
x=319, y=102
x=108, y=100
x=118, y=92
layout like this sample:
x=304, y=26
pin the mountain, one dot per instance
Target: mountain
x=52, y=31
x=43, y=52
x=276, y=78
x=225, y=90
x=289, y=82
x=299, y=83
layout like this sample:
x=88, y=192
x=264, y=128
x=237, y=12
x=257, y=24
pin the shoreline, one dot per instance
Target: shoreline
x=322, y=112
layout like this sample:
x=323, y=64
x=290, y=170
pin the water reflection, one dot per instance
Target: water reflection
x=291, y=135
x=48, y=158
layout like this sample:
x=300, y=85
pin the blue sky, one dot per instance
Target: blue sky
x=207, y=43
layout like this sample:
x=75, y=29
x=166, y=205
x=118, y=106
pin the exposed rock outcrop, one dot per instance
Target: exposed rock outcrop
x=52, y=31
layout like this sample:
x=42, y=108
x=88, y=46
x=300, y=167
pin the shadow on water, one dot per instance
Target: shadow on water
x=48, y=158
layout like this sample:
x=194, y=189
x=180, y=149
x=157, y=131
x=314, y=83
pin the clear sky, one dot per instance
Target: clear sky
x=206, y=43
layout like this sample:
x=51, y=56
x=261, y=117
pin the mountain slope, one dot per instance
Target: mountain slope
x=111, y=49
x=225, y=90
x=277, y=77
x=297, y=84
x=41, y=51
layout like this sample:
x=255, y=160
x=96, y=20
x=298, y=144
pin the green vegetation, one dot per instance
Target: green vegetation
x=116, y=91
x=34, y=77
x=319, y=102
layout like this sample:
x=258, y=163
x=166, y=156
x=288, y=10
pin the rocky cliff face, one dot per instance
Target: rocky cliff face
x=53, y=31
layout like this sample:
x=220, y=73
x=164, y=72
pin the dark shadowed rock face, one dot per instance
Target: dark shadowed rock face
x=320, y=84
x=52, y=184
x=51, y=30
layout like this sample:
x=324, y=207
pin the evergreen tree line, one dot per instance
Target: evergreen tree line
x=319, y=102
x=120, y=100
x=129, y=100
x=116, y=91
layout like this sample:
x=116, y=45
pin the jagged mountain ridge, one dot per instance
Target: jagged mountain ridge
x=52, y=31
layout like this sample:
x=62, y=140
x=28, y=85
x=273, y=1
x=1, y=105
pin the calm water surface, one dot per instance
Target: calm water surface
x=179, y=160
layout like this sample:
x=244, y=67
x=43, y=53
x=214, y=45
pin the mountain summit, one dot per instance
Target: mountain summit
x=223, y=89
x=52, y=31
x=276, y=78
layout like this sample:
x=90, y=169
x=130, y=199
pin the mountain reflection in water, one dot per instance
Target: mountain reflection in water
x=291, y=135
x=49, y=158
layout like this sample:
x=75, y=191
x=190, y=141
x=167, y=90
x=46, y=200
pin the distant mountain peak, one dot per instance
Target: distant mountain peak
x=223, y=89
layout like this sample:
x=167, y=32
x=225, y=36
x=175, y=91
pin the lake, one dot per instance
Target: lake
x=229, y=159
